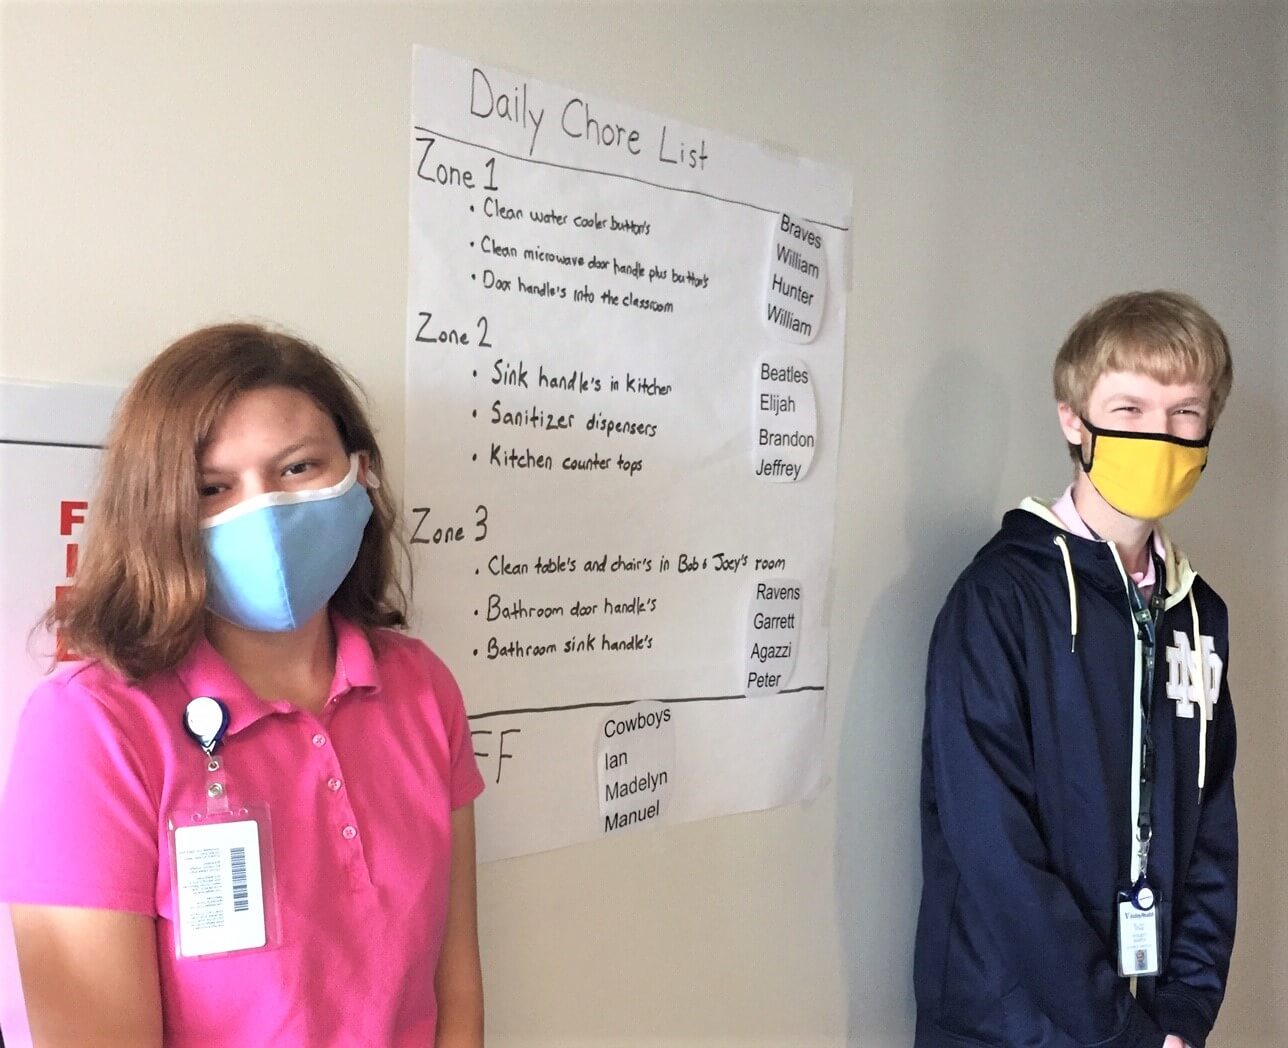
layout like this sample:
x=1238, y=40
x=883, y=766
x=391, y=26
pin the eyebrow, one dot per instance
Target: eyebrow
x=1129, y=398
x=309, y=442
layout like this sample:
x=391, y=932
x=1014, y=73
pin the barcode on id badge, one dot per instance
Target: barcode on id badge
x=241, y=889
x=219, y=888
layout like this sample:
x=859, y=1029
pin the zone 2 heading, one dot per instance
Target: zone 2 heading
x=576, y=121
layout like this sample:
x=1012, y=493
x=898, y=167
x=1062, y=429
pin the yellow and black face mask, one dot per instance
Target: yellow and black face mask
x=1144, y=475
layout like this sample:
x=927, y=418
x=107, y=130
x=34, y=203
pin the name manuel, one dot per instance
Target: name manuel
x=621, y=820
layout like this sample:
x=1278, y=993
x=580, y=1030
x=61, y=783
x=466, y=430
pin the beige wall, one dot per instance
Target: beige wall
x=166, y=165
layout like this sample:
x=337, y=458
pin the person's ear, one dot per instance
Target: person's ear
x=366, y=477
x=1070, y=423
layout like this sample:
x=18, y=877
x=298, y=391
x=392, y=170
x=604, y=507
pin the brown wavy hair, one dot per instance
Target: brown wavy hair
x=138, y=602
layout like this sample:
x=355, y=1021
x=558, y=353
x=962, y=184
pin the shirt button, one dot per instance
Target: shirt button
x=333, y=784
x=349, y=832
x=319, y=739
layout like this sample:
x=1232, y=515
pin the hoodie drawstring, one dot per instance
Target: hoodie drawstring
x=1073, y=593
x=1199, y=680
x=1198, y=677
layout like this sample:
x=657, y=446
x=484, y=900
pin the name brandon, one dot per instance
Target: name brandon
x=768, y=438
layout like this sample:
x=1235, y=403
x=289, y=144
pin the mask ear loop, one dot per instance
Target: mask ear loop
x=1086, y=464
x=372, y=482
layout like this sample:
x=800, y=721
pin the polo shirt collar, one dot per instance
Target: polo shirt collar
x=205, y=672
x=355, y=663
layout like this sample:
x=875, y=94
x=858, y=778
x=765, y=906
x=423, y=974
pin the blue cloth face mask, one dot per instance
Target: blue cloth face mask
x=275, y=560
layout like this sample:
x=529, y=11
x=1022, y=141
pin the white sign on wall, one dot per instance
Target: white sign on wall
x=595, y=294
x=49, y=451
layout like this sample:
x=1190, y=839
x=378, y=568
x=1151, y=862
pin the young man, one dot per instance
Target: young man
x=1078, y=822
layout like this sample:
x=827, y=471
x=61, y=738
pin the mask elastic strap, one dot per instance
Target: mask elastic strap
x=1087, y=464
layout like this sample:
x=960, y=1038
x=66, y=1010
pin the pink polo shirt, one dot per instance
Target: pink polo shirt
x=1064, y=508
x=360, y=798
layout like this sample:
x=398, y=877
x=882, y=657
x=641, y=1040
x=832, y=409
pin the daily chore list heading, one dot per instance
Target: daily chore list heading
x=578, y=121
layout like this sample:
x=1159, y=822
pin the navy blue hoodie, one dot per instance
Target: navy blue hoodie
x=1027, y=794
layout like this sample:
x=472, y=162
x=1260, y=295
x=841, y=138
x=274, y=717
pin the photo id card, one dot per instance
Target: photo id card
x=218, y=883
x=1137, y=937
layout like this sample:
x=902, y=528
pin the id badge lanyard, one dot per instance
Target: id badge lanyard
x=222, y=874
x=1138, y=924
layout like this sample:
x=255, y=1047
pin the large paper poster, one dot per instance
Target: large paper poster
x=625, y=347
x=49, y=437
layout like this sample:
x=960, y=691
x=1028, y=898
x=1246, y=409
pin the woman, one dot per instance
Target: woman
x=246, y=816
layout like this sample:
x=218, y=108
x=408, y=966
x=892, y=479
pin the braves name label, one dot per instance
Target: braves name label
x=797, y=280
x=635, y=765
x=773, y=635
x=784, y=419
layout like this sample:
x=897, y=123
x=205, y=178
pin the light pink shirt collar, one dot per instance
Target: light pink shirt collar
x=1064, y=508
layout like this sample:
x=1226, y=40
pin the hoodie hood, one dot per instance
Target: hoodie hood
x=1178, y=575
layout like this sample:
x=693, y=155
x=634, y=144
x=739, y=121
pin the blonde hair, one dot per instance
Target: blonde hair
x=1163, y=334
x=138, y=602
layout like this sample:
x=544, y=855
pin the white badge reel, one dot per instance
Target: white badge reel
x=222, y=874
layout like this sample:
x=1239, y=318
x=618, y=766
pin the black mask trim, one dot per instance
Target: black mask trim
x=1097, y=431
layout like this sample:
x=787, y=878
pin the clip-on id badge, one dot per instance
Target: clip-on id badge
x=1138, y=931
x=222, y=875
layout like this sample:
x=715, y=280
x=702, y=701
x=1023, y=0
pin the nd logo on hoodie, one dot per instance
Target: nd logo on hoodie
x=1193, y=677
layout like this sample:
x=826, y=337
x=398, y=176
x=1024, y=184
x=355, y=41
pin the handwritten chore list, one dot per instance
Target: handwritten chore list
x=625, y=346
